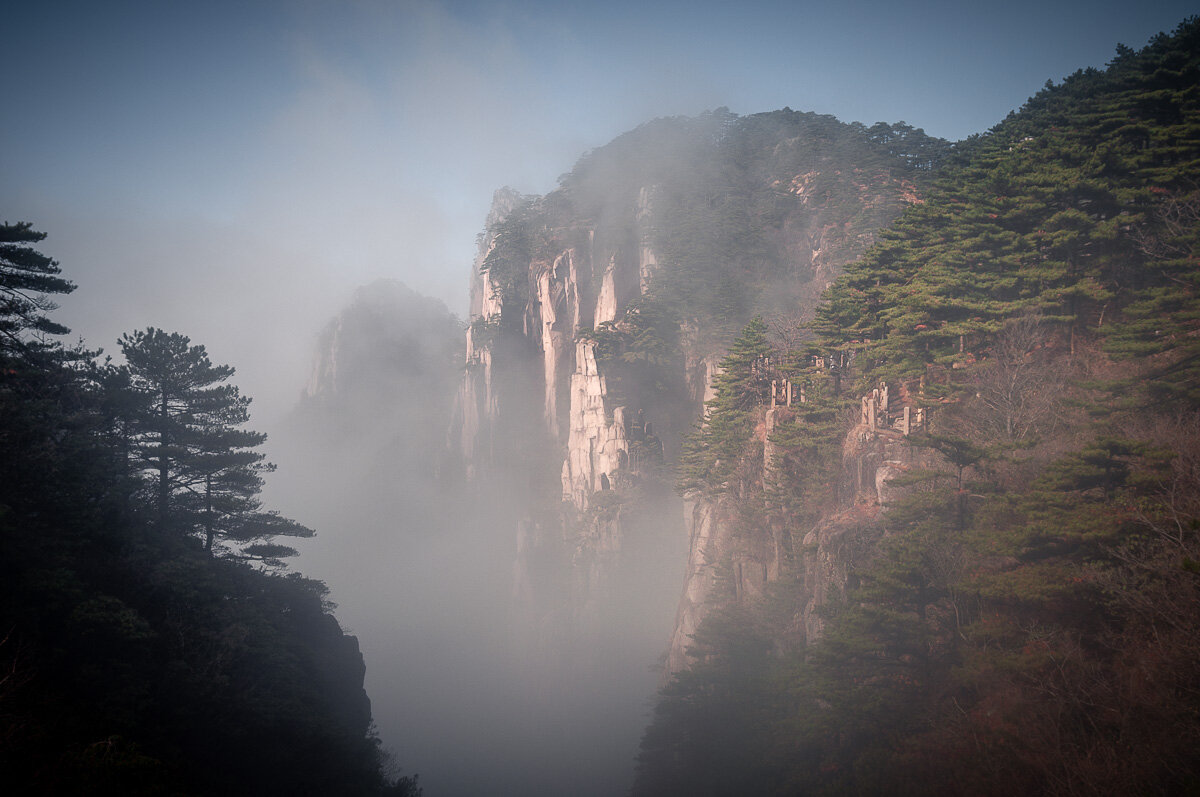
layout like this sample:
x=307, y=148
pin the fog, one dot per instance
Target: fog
x=235, y=171
x=475, y=686
x=461, y=689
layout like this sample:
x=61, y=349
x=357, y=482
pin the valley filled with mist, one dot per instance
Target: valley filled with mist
x=774, y=453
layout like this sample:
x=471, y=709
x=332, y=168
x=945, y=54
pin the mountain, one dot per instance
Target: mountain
x=951, y=538
x=389, y=353
x=370, y=425
x=928, y=414
x=884, y=448
x=600, y=312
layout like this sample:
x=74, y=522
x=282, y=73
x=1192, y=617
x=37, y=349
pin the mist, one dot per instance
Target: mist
x=473, y=685
x=234, y=172
x=311, y=152
x=246, y=175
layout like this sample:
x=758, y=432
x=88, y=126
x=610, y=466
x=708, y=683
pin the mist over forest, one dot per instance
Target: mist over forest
x=757, y=453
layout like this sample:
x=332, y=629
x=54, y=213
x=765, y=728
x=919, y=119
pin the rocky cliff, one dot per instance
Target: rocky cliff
x=365, y=441
x=728, y=564
x=600, y=312
x=389, y=349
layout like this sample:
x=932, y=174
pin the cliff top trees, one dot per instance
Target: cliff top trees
x=1076, y=208
x=26, y=278
x=712, y=450
x=186, y=430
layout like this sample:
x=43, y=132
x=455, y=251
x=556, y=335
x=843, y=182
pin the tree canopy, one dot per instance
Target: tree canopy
x=186, y=426
x=27, y=280
x=1007, y=601
x=132, y=661
x=1075, y=208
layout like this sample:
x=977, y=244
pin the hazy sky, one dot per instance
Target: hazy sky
x=234, y=170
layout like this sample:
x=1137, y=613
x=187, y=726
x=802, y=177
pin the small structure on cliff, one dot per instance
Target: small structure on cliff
x=877, y=413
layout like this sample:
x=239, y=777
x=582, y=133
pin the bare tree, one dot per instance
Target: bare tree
x=1019, y=385
x=789, y=331
x=1172, y=228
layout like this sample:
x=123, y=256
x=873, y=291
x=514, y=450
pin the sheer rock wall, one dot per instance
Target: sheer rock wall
x=536, y=411
x=875, y=452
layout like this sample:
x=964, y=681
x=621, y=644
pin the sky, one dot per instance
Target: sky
x=233, y=170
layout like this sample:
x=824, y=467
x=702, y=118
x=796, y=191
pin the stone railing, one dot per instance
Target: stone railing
x=877, y=413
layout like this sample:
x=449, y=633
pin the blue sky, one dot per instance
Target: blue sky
x=234, y=170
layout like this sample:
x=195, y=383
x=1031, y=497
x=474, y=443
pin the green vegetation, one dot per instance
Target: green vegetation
x=712, y=453
x=728, y=196
x=27, y=280
x=184, y=426
x=639, y=354
x=523, y=235
x=1075, y=208
x=1022, y=616
x=132, y=660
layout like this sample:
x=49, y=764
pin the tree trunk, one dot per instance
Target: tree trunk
x=164, y=484
x=208, y=514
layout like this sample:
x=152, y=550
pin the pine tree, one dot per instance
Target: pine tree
x=1050, y=212
x=27, y=278
x=712, y=450
x=1160, y=325
x=186, y=426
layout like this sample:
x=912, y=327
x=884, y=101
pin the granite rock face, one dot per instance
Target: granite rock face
x=875, y=453
x=571, y=433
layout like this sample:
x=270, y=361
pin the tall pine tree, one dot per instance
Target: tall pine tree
x=712, y=450
x=27, y=278
x=187, y=432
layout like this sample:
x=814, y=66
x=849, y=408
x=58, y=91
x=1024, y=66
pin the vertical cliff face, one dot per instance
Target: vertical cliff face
x=535, y=401
x=728, y=565
x=598, y=442
x=365, y=443
x=389, y=346
x=530, y=318
x=601, y=310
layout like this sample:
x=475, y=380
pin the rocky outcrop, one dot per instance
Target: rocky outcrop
x=474, y=407
x=534, y=392
x=598, y=445
x=573, y=290
x=484, y=301
x=555, y=278
x=708, y=537
x=647, y=260
x=874, y=454
x=387, y=345
x=557, y=296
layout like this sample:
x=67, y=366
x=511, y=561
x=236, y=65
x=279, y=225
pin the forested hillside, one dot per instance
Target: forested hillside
x=604, y=305
x=150, y=639
x=981, y=490
x=598, y=314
